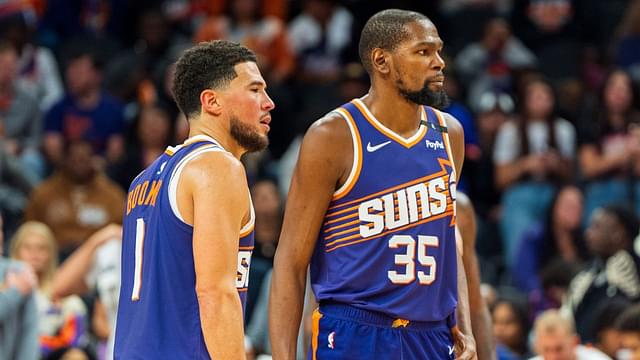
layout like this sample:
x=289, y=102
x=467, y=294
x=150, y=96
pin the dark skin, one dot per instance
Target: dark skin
x=605, y=235
x=480, y=316
x=319, y=173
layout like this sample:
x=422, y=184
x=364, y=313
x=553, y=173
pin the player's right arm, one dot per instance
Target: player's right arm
x=213, y=186
x=323, y=164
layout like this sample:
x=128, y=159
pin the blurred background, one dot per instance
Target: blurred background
x=546, y=90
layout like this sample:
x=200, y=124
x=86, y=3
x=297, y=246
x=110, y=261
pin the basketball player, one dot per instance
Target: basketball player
x=372, y=209
x=188, y=223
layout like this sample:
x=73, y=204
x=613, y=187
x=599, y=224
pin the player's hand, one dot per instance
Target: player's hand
x=465, y=345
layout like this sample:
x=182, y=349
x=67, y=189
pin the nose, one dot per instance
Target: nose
x=438, y=62
x=268, y=104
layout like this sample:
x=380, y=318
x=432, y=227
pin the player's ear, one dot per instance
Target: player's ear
x=210, y=102
x=380, y=61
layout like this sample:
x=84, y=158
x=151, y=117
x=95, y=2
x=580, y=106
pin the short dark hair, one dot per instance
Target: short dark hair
x=626, y=217
x=385, y=30
x=208, y=65
x=629, y=321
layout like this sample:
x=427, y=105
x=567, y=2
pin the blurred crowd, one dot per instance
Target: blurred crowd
x=546, y=90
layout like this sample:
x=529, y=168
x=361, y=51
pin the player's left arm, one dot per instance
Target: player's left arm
x=462, y=332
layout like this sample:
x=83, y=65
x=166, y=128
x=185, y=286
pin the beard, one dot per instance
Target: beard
x=247, y=136
x=425, y=96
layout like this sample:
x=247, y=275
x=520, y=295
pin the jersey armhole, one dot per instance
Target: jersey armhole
x=175, y=178
x=354, y=174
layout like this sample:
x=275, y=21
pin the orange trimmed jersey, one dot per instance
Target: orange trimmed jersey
x=387, y=243
x=158, y=311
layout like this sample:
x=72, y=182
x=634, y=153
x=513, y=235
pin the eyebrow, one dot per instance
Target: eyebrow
x=434, y=43
x=258, y=83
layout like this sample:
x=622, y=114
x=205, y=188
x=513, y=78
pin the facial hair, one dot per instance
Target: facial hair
x=247, y=137
x=425, y=96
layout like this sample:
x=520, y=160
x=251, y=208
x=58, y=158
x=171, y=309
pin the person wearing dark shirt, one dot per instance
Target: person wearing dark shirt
x=86, y=112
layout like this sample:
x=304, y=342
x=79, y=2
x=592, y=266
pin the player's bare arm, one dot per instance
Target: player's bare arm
x=480, y=317
x=214, y=186
x=463, y=335
x=324, y=162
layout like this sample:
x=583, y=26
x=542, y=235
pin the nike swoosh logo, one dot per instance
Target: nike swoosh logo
x=376, y=147
x=450, y=350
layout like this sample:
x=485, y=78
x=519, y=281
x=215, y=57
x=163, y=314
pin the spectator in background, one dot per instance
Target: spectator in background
x=152, y=133
x=37, y=67
x=86, y=112
x=95, y=267
x=605, y=152
x=494, y=109
x=627, y=52
x=318, y=37
x=628, y=325
x=18, y=312
x=510, y=328
x=488, y=65
x=268, y=210
x=614, y=272
x=20, y=118
x=62, y=321
x=77, y=200
x=531, y=155
x=559, y=236
x=555, y=339
x=607, y=335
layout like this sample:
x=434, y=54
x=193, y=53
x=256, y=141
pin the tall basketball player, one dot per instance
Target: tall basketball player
x=188, y=223
x=372, y=209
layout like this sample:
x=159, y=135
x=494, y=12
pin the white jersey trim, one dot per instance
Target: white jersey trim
x=175, y=176
x=357, y=156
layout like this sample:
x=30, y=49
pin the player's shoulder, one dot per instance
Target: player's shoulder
x=215, y=166
x=453, y=124
x=330, y=129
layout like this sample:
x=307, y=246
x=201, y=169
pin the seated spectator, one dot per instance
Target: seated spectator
x=531, y=155
x=607, y=145
x=614, y=271
x=14, y=189
x=488, y=65
x=608, y=337
x=63, y=321
x=558, y=237
x=151, y=136
x=628, y=325
x=71, y=353
x=510, y=328
x=77, y=200
x=18, y=312
x=21, y=123
x=318, y=36
x=86, y=112
x=37, y=67
x=555, y=338
x=95, y=267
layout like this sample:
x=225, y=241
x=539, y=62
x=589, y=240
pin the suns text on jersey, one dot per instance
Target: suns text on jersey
x=405, y=206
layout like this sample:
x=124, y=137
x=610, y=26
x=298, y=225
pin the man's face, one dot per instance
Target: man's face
x=417, y=67
x=82, y=76
x=248, y=106
x=8, y=66
x=602, y=233
x=631, y=342
x=556, y=345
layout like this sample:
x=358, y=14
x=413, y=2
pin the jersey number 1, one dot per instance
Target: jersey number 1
x=137, y=276
x=408, y=259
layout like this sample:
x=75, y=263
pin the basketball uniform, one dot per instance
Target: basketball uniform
x=158, y=313
x=384, y=268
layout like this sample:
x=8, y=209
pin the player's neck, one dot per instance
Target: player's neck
x=393, y=111
x=218, y=133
